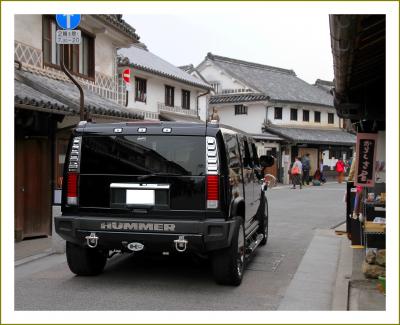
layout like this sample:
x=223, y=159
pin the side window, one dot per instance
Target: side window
x=234, y=165
x=256, y=161
x=232, y=150
x=244, y=150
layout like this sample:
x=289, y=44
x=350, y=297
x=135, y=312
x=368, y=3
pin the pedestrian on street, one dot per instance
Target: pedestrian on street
x=296, y=173
x=305, y=161
x=340, y=170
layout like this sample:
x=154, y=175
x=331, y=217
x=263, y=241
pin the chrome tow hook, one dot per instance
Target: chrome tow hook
x=92, y=240
x=180, y=244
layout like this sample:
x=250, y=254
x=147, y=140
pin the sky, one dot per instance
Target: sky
x=285, y=40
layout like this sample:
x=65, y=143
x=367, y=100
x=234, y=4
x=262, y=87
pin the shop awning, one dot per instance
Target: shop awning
x=315, y=136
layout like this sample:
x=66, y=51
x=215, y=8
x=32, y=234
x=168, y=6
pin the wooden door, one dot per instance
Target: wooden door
x=32, y=188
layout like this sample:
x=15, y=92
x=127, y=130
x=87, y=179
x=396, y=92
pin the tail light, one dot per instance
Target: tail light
x=212, y=173
x=72, y=188
x=73, y=172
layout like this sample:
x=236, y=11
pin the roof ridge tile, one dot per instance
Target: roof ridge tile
x=249, y=64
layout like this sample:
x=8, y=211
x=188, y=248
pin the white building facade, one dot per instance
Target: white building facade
x=260, y=99
x=159, y=89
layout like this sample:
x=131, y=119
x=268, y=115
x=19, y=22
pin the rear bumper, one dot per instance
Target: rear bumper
x=156, y=235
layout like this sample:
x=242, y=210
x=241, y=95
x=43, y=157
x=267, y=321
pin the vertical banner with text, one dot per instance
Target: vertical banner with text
x=366, y=156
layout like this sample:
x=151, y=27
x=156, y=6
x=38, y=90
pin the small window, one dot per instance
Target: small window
x=240, y=110
x=278, y=113
x=140, y=89
x=331, y=118
x=215, y=85
x=317, y=117
x=169, y=96
x=293, y=114
x=306, y=116
x=185, y=99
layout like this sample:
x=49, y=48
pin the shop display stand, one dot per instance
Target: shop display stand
x=374, y=234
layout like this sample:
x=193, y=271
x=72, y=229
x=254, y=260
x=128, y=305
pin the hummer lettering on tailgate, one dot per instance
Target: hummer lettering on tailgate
x=137, y=226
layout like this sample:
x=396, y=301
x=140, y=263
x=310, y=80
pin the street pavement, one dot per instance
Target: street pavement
x=170, y=283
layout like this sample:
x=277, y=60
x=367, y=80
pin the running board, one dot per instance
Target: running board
x=252, y=247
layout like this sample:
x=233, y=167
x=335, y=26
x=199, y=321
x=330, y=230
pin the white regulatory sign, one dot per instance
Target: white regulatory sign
x=68, y=36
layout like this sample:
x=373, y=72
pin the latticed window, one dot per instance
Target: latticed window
x=278, y=113
x=169, y=96
x=306, y=115
x=140, y=89
x=293, y=114
x=240, y=109
x=331, y=118
x=317, y=117
x=185, y=99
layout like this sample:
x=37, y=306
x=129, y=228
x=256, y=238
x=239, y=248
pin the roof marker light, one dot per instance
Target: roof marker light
x=142, y=130
x=167, y=130
x=118, y=130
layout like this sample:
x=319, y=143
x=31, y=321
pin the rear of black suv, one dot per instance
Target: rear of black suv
x=144, y=187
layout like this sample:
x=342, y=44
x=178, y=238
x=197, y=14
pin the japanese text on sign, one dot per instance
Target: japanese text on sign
x=68, y=37
x=366, y=150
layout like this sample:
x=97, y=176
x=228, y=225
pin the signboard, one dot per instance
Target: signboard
x=126, y=75
x=68, y=37
x=366, y=156
x=68, y=21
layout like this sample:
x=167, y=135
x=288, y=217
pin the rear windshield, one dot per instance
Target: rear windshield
x=143, y=154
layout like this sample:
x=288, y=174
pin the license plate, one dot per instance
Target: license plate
x=142, y=197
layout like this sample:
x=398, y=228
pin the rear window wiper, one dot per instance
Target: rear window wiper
x=140, y=178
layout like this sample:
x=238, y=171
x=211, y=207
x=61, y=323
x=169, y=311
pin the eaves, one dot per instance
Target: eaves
x=166, y=75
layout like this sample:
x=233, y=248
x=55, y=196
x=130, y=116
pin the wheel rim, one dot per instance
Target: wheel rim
x=240, y=251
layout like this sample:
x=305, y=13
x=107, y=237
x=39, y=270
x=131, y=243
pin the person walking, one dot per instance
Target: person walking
x=296, y=172
x=340, y=170
x=305, y=161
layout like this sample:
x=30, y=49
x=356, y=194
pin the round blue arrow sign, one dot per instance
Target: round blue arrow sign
x=68, y=21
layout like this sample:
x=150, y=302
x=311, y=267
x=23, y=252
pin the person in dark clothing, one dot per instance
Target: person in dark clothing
x=306, y=169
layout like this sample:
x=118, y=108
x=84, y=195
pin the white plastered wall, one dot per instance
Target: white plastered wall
x=28, y=30
x=251, y=122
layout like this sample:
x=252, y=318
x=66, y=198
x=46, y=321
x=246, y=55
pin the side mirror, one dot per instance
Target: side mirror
x=267, y=161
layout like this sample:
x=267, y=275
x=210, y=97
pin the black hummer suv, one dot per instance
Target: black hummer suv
x=163, y=187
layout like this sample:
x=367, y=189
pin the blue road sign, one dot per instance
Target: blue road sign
x=68, y=21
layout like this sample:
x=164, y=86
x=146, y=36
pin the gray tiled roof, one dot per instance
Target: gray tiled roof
x=25, y=95
x=324, y=85
x=67, y=94
x=187, y=68
x=319, y=136
x=276, y=83
x=259, y=136
x=149, y=62
x=117, y=22
x=237, y=98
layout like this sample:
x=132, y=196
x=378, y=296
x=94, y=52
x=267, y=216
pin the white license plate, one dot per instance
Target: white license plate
x=145, y=197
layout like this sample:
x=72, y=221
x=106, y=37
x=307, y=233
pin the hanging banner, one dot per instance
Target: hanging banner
x=366, y=157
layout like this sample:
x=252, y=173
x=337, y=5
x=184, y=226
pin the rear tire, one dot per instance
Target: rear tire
x=228, y=263
x=85, y=261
